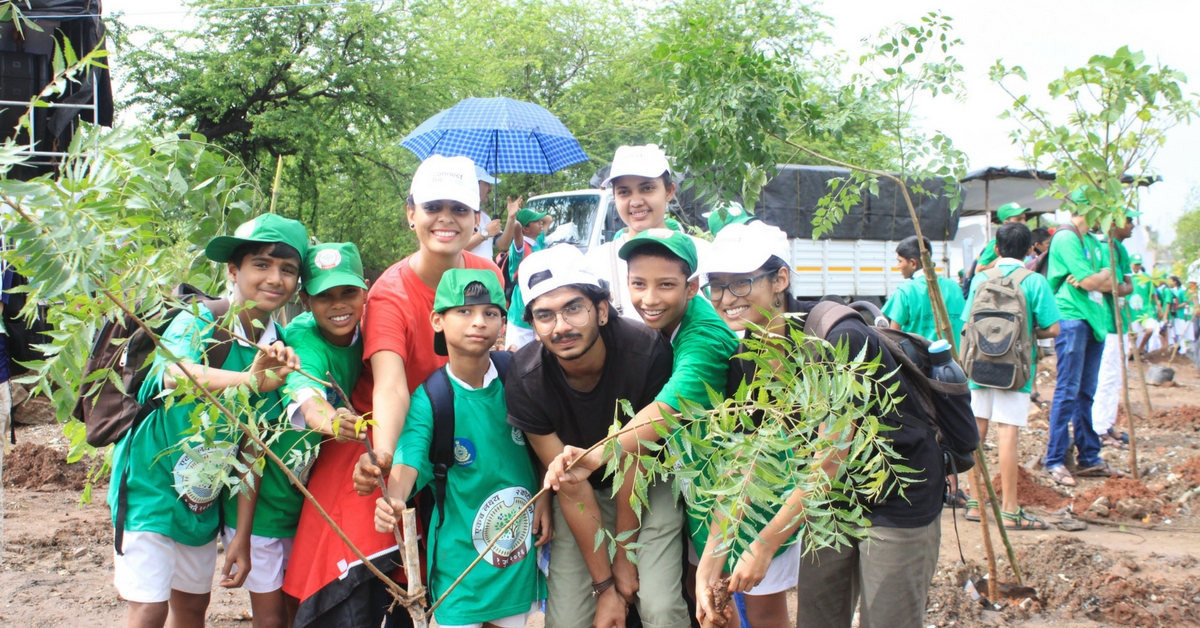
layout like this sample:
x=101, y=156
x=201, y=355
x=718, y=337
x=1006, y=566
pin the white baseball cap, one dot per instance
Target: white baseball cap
x=446, y=178
x=745, y=247
x=484, y=177
x=553, y=268
x=643, y=161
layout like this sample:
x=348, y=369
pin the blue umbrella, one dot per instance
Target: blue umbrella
x=499, y=135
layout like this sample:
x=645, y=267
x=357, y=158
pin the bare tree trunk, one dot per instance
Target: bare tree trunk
x=993, y=582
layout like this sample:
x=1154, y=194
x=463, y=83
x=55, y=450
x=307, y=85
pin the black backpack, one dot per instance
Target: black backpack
x=946, y=406
x=441, y=449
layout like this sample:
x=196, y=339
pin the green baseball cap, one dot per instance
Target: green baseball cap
x=526, y=216
x=1079, y=196
x=452, y=292
x=731, y=213
x=263, y=229
x=678, y=244
x=1136, y=258
x=1132, y=213
x=1010, y=210
x=330, y=265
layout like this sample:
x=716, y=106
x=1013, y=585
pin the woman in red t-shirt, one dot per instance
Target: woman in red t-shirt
x=333, y=586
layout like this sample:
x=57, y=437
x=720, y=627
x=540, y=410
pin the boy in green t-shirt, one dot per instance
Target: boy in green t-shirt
x=1108, y=380
x=163, y=515
x=1009, y=409
x=1142, y=306
x=1009, y=212
x=325, y=339
x=528, y=229
x=909, y=308
x=494, y=475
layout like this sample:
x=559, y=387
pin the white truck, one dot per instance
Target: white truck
x=861, y=268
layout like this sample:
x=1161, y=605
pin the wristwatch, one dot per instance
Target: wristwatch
x=601, y=587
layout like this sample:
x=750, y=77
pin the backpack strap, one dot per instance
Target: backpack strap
x=824, y=316
x=218, y=350
x=502, y=359
x=122, y=509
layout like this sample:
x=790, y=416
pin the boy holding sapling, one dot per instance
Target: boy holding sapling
x=493, y=476
x=163, y=515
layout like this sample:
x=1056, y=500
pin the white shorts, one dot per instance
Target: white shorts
x=268, y=560
x=153, y=564
x=512, y=621
x=781, y=575
x=1009, y=407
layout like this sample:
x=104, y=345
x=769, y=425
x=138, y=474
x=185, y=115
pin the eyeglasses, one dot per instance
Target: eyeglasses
x=740, y=288
x=575, y=315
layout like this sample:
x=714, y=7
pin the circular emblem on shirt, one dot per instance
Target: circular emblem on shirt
x=661, y=234
x=496, y=512
x=301, y=462
x=197, y=493
x=328, y=258
x=518, y=437
x=464, y=452
x=1135, y=302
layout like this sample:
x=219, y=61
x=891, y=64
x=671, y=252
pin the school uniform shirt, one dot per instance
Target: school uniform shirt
x=1069, y=256
x=1141, y=300
x=159, y=500
x=604, y=262
x=637, y=363
x=911, y=308
x=1124, y=270
x=516, y=308
x=493, y=478
x=1041, y=307
x=1183, y=299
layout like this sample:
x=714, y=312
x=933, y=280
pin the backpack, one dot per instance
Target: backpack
x=945, y=406
x=23, y=336
x=107, y=410
x=997, y=349
x=441, y=449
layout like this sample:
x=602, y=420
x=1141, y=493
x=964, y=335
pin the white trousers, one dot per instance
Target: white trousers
x=1108, y=386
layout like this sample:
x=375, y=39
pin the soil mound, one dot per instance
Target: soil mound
x=1030, y=493
x=1189, y=471
x=39, y=467
x=1126, y=497
x=1181, y=418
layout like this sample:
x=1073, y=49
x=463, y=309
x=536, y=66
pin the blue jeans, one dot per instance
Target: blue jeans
x=1079, y=356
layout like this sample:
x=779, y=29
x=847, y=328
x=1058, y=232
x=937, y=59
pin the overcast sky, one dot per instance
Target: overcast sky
x=1043, y=36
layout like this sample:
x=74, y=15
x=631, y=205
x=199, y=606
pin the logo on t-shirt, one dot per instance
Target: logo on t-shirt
x=518, y=436
x=1136, y=302
x=198, y=493
x=328, y=258
x=496, y=512
x=464, y=452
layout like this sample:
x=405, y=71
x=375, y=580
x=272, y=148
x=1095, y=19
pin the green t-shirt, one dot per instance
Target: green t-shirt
x=1125, y=270
x=1039, y=301
x=1141, y=301
x=516, y=309
x=159, y=496
x=493, y=478
x=1068, y=256
x=987, y=255
x=1182, y=311
x=910, y=307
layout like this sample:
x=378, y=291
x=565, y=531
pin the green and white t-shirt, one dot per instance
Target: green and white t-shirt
x=1039, y=301
x=1069, y=256
x=492, y=479
x=909, y=306
x=1184, y=299
x=516, y=309
x=162, y=496
x=1141, y=300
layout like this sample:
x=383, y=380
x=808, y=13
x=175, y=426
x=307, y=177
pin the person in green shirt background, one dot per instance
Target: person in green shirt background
x=1141, y=303
x=164, y=520
x=1181, y=301
x=1079, y=281
x=1108, y=380
x=1009, y=212
x=528, y=228
x=492, y=479
x=909, y=308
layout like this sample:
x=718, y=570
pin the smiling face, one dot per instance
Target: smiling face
x=267, y=281
x=739, y=312
x=443, y=227
x=471, y=330
x=337, y=311
x=568, y=322
x=642, y=201
x=659, y=290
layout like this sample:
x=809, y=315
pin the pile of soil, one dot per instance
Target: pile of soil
x=39, y=467
x=1116, y=490
x=1073, y=579
x=97, y=536
x=1189, y=471
x=1181, y=418
x=1030, y=493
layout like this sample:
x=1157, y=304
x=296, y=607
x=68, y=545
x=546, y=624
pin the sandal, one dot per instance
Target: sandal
x=1037, y=398
x=1107, y=440
x=1102, y=470
x=1061, y=475
x=957, y=500
x=971, y=504
x=1123, y=437
x=1020, y=520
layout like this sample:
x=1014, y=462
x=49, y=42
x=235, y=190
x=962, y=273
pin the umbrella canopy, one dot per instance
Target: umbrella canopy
x=499, y=135
x=985, y=190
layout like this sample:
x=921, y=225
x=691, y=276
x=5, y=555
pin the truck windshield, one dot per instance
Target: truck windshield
x=574, y=217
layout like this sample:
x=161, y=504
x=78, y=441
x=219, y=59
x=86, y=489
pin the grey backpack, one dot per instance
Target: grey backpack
x=997, y=350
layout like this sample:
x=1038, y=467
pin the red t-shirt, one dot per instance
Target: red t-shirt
x=397, y=320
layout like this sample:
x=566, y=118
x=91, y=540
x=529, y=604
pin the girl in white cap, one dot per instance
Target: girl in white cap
x=640, y=179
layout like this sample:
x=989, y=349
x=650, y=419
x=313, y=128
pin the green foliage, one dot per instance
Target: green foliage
x=1186, y=246
x=1119, y=110
x=740, y=463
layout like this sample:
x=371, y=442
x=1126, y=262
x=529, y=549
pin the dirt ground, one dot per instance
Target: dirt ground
x=1136, y=564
